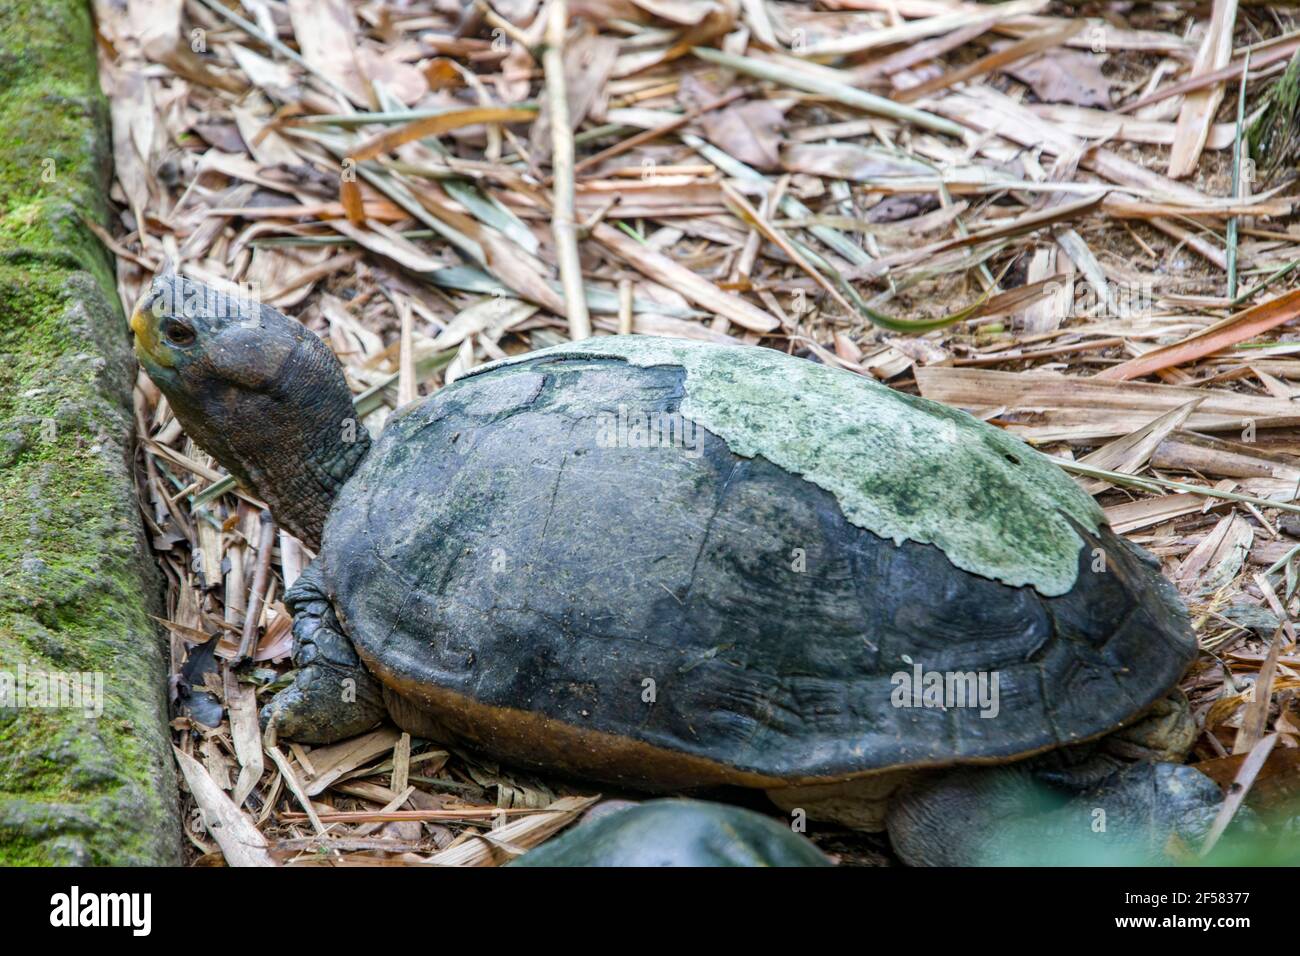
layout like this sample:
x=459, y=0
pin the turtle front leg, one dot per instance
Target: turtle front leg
x=333, y=696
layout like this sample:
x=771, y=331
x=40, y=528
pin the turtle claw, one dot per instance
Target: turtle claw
x=324, y=705
x=333, y=696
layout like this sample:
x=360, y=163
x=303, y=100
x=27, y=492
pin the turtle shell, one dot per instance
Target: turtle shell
x=677, y=833
x=531, y=577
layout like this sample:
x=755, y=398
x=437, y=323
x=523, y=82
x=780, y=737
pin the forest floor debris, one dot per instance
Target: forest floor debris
x=1048, y=214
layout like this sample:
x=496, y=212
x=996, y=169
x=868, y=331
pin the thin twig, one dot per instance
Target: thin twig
x=1280, y=48
x=1264, y=283
x=295, y=787
x=265, y=541
x=624, y=306
x=646, y=136
x=1158, y=484
x=1241, y=784
x=815, y=83
x=1236, y=180
x=563, y=222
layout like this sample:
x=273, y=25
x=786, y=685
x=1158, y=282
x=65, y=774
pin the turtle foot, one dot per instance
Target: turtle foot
x=1164, y=734
x=333, y=696
x=968, y=817
x=1146, y=813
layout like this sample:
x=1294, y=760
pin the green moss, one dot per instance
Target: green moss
x=54, y=136
x=49, y=232
x=75, y=578
x=24, y=852
x=51, y=146
x=46, y=39
x=70, y=576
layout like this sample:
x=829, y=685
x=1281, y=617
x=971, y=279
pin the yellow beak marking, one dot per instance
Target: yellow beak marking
x=146, y=338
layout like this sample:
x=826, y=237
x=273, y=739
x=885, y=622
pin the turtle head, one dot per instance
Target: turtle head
x=257, y=391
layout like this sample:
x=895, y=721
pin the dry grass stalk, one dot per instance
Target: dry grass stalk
x=240, y=841
x=1200, y=106
x=563, y=223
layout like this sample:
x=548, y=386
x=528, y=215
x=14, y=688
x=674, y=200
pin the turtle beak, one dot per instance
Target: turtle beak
x=139, y=324
x=145, y=326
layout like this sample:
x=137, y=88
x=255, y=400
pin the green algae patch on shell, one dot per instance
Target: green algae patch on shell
x=902, y=467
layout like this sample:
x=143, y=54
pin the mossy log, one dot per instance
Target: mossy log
x=92, y=784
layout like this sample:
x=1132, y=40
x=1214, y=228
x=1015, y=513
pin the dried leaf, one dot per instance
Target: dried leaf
x=1065, y=76
x=750, y=131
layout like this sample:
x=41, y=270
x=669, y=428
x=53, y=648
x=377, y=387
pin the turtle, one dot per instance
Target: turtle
x=671, y=565
x=676, y=832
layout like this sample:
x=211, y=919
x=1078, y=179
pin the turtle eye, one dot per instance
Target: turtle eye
x=178, y=333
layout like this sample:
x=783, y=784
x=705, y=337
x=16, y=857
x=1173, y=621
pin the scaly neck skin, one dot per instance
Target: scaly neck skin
x=300, y=486
x=293, y=444
x=306, y=444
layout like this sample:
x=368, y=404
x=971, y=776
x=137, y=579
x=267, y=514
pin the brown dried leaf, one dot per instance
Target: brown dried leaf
x=435, y=125
x=851, y=161
x=750, y=131
x=400, y=79
x=328, y=38
x=1066, y=76
x=440, y=73
x=350, y=194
